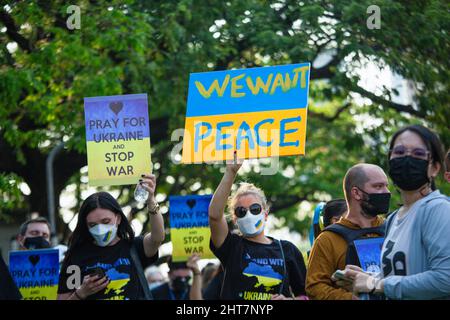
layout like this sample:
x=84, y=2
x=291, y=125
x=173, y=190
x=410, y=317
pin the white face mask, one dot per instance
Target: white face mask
x=251, y=225
x=104, y=233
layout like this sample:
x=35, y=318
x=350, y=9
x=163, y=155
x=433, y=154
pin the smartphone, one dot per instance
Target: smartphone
x=97, y=271
x=339, y=275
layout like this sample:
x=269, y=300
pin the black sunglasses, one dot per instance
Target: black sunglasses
x=254, y=209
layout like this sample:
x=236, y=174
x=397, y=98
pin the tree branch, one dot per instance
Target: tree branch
x=13, y=31
x=386, y=103
x=323, y=117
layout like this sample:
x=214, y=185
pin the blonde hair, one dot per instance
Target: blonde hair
x=245, y=189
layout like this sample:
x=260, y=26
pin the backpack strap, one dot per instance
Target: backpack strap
x=350, y=234
x=284, y=266
x=389, y=221
x=140, y=273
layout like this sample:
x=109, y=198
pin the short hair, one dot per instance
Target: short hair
x=24, y=227
x=355, y=177
x=245, y=189
x=176, y=265
x=333, y=208
x=447, y=161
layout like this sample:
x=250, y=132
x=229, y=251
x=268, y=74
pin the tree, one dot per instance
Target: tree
x=151, y=46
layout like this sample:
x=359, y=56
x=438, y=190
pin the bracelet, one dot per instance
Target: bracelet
x=77, y=295
x=154, y=210
x=197, y=274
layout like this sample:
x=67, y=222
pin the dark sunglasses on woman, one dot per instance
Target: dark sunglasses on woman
x=254, y=209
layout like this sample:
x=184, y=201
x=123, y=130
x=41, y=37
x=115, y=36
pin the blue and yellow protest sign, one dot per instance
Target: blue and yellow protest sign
x=189, y=226
x=259, y=112
x=35, y=273
x=369, y=253
x=117, y=138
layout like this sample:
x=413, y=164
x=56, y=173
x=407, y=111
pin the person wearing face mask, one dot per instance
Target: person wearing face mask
x=256, y=266
x=416, y=251
x=178, y=287
x=34, y=234
x=154, y=277
x=367, y=195
x=104, y=249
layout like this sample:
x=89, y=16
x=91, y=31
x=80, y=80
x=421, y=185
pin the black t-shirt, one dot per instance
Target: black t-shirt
x=163, y=292
x=117, y=264
x=255, y=271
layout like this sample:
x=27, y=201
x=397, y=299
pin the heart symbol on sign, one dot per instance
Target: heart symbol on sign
x=116, y=106
x=34, y=259
x=191, y=203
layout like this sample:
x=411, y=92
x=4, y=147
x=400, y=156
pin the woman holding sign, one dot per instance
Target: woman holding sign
x=257, y=267
x=416, y=252
x=105, y=260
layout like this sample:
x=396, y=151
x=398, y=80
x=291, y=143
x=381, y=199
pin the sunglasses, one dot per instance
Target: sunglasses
x=401, y=151
x=254, y=209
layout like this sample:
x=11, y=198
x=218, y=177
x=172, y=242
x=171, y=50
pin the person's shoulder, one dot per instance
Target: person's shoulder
x=328, y=237
x=289, y=245
x=437, y=207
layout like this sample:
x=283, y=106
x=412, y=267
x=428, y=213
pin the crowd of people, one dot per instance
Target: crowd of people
x=414, y=256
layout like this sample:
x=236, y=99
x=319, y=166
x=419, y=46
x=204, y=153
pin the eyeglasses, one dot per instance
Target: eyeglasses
x=401, y=151
x=254, y=209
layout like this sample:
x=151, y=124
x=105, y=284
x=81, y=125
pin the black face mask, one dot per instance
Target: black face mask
x=180, y=284
x=36, y=243
x=376, y=203
x=409, y=173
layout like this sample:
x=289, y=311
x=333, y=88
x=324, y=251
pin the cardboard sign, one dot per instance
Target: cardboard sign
x=35, y=273
x=369, y=253
x=117, y=138
x=259, y=112
x=189, y=226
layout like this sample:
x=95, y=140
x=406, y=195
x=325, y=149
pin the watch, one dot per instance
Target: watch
x=154, y=209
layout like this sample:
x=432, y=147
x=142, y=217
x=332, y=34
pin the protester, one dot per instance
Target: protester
x=178, y=287
x=367, y=195
x=154, y=277
x=111, y=259
x=331, y=213
x=34, y=234
x=207, y=285
x=416, y=250
x=257, y=267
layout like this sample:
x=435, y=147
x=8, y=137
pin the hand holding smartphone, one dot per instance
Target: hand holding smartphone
x=339, y=275
x=97, y=271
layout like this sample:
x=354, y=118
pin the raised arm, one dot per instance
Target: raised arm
x=217, y=221
x=153, y=240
